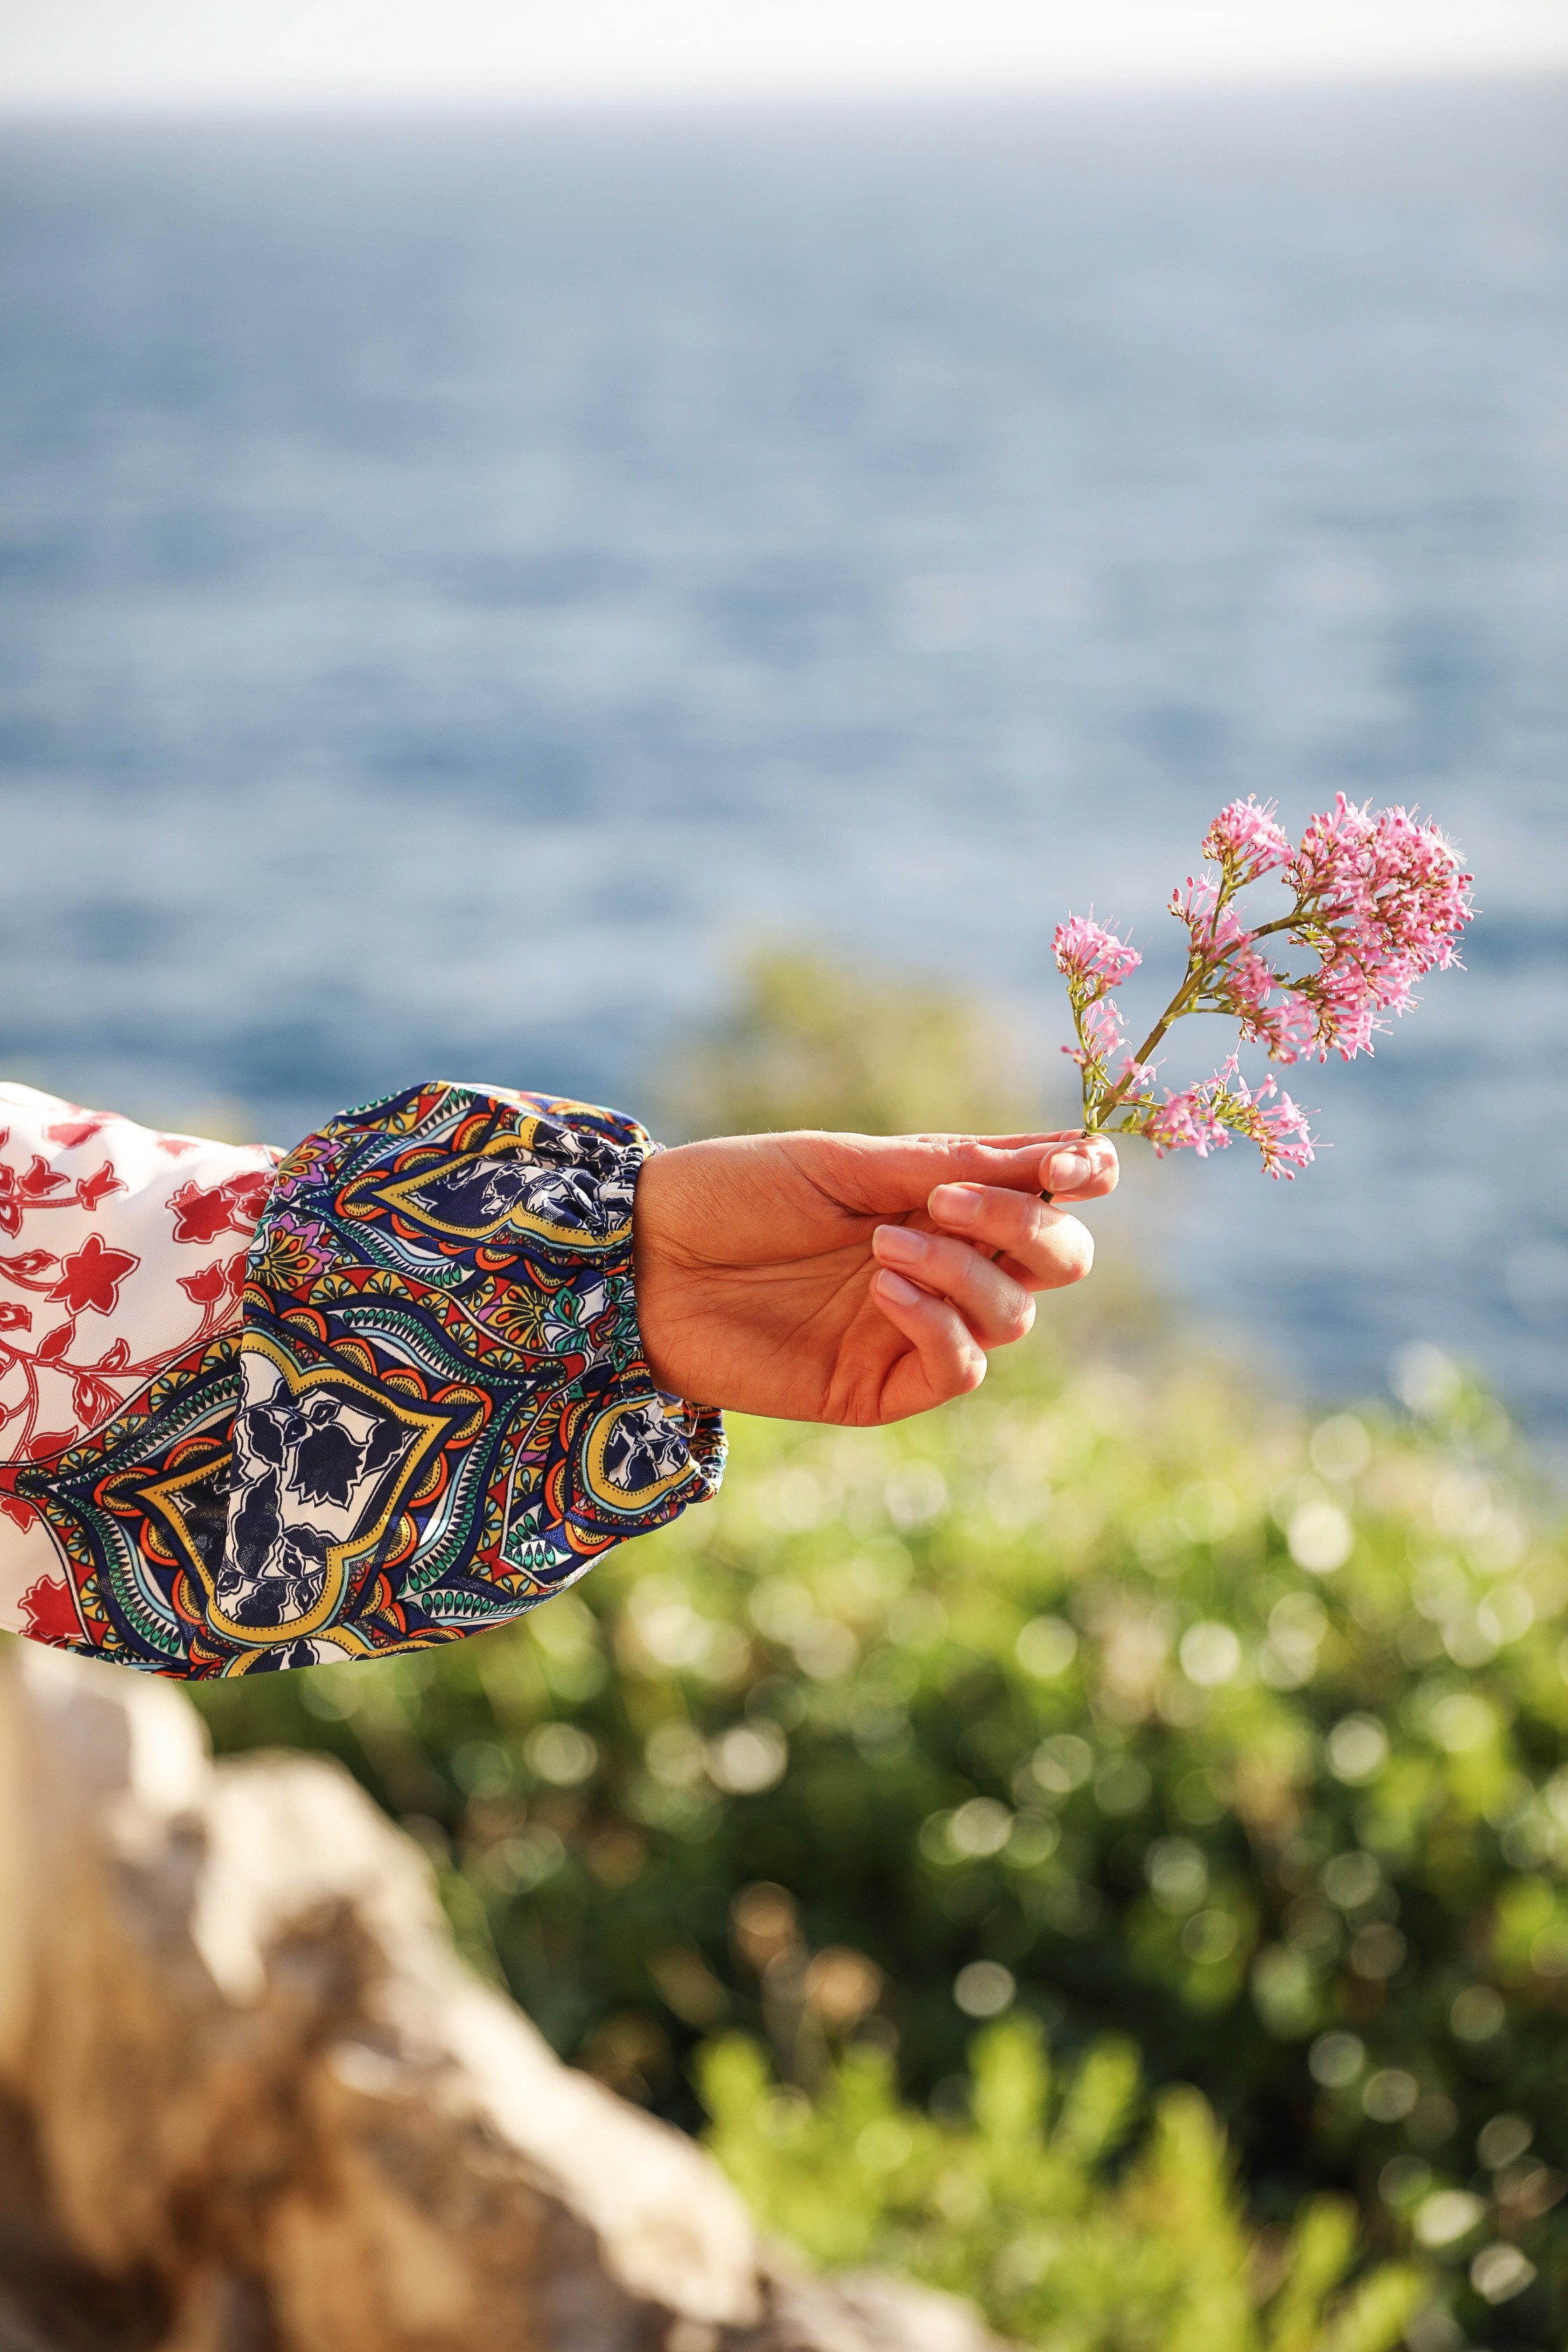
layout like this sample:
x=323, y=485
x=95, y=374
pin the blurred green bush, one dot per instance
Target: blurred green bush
x=812, y=1042
x=1137, y=1703
x=1020, y=2204
x=1121, y=1696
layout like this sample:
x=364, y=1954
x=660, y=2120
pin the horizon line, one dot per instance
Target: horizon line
x=387, y=105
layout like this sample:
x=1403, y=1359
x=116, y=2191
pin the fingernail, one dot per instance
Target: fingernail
x=956, y=1204
x=896, y=1242
x=894, y=1286
x=1066, y=1170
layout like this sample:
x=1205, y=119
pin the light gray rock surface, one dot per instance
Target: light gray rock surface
x=251, y=2100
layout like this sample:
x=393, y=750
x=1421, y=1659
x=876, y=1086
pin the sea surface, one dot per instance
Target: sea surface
x=461, y=586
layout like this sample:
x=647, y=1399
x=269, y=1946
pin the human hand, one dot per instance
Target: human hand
x=852, y=1278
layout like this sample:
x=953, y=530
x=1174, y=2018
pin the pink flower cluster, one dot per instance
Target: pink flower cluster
x=1093, y=960
x=1087, y=952
x=1246, y=842
x=1383, y=902
x=1208, y=914
x=1378, y=900
x=1203, y=1119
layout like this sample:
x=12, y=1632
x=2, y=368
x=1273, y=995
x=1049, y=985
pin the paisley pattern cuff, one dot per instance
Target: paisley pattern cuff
x=433, y=1411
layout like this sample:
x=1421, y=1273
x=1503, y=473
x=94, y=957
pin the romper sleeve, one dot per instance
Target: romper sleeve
x=436, y=1408
x=123, y=1258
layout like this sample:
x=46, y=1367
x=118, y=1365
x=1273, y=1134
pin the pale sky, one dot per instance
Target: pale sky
x=196, y=54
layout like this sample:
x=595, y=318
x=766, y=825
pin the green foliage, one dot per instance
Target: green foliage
x=812, y=1043
x=1118, y=1696
x=1022, y=2206
x=1138, y=1702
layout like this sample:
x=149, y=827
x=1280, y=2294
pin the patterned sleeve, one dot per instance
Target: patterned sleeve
x=417, y=1407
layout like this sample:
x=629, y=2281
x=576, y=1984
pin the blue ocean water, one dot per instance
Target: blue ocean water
x=461, y=584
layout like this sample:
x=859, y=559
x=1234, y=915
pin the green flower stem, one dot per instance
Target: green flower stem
x=1195, y=983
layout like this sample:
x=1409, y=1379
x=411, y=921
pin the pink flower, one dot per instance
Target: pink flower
x=1214, y=927
x=1186, y=1121
x=1087, y=952
x=1279, y=1128
x=1246, y=841
x=1287, y=1027
x=1347, y=1009
x=1281, y=1132
x=1204, y=1117
x=1378, y=900
x=1384, y=901
x=1102, y=1030
x=1285, y=1022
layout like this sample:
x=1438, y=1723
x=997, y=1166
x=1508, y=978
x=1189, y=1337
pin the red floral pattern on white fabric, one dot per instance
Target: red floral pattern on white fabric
x=120, y=1248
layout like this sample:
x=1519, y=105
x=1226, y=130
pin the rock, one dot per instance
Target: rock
x=866, y=2312
x=251, y=2100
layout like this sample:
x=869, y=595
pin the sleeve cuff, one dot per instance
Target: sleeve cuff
x=448, y=1413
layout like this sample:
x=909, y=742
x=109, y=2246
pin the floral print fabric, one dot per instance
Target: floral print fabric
x=417, y=1407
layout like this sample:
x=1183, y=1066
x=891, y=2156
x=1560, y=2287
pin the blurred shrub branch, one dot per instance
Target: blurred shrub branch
x=1024, y=2205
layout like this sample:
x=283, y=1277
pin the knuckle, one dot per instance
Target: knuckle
x=1069, y=1252
x=1017, y=1315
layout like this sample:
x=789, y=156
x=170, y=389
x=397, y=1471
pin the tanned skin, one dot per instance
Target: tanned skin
x=853, y=1279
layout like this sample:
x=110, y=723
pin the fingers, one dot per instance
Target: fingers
x=949, y=1362
x=1037, y=1244
x=996, y=1308
x=1080, y=1168
x=894, y=1174
x=990, y=1281
x=1000, y=1240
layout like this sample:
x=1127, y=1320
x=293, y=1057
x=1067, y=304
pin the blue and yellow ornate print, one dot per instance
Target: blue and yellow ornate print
x=427, y=1409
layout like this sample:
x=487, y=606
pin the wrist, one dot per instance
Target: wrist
x=650, y=1262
